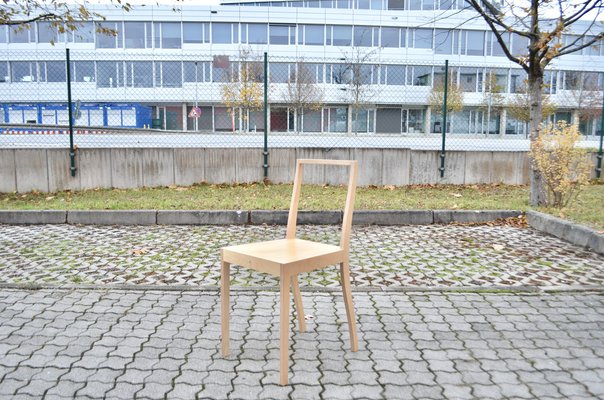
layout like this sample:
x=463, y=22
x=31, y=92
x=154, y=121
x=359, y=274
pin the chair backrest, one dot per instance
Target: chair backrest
x=348, y=208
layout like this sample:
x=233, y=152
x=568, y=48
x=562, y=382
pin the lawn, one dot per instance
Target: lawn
x=589, y=209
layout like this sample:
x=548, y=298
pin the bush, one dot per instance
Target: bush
x=564, y=168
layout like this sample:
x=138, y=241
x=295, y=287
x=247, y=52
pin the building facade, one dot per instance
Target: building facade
x=334, y=67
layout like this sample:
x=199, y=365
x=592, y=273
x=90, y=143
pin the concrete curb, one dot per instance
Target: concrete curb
x=213, y=217
x=254, y=217
x=535, y=290
x=33, y=217
x=110, y=217
x=576, y=234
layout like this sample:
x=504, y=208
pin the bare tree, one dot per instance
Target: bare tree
x=62, y=15
x=359, y=77
x=302, y=93
x=587, y=95
x=436, y=99
x=541, y=23
x=493, y=100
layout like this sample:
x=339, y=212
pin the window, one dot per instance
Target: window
x=339, y=35
x=335, y=119
x=24, y=71
x=196, y=71
x=108, y=41
x=168, y=74
x=395, y=75
x=391, y=37
x=82, y=71
x=281, y=72
x=222, y=69
x=3, y=35
x=445, y=41
x=472, y=43
x=52, y=71
x=419, y=76
x=362, y=36
x=470, y=79
x=4, y=76
x=196, y=32
x=423, y=38
x=338, y=74
x=517, y=81
x=497, y=49
x=572, y=80
x=221, y=33
x=110, y=74
x=257, y=33
x=446, y=5
x=139, y=74
x=47, y=33
x=396, y=4
x=362, y=121
x=137, y=35
x=282, y=34
x=519, y=45
x=592, y=81
x=167, y=35
x=496, y=81
x=23, y=34
x=83, y=34
x=594, y=49
x=388, y=120
x=311, y=35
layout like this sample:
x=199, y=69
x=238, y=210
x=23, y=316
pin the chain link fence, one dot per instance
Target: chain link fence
x=209, y=100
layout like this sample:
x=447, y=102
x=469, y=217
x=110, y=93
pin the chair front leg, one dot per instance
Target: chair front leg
x=284, y=329
x=225, y=278
x=298, y=303
x=346, y=291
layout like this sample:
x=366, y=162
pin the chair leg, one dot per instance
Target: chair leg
x=298, y=303
x=345, y=280
x=224, y=305
x=284, y=330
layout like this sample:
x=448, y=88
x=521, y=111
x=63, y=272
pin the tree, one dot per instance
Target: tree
x=493, y=99
x=302, y=94
x=359, y=76
x=543, y=24
x=243, y=91
x=64, y=16
x=436, y=99
x=587, y=95
x=519, y=106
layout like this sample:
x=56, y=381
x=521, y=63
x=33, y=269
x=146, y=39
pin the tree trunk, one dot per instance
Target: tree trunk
x=538, y=195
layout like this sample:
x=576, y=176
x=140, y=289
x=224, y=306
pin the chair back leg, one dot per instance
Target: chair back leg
x=346, y=291
x=225, y=308
x=298, y=303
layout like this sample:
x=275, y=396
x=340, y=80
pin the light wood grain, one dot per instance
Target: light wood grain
x=287, y=258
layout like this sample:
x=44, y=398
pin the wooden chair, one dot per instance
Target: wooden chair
x=286, y=258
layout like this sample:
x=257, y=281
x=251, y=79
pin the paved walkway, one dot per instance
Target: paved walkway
x=402, y=256
x=126, y=344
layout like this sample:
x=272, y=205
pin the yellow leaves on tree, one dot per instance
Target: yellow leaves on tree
x=563, y=166
x=454, y=97
x=244, y=91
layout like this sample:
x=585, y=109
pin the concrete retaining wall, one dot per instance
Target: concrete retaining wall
x=47, y=170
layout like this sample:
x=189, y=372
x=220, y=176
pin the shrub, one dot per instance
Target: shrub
x=564, y=168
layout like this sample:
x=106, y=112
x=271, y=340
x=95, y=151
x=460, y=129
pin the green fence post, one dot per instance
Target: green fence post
x=599, y=162
x=265, y=152
x=444, y=127
x=70, y=114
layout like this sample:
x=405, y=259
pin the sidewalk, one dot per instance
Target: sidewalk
x=420, y=257
x=158, y=344
x=132, y=312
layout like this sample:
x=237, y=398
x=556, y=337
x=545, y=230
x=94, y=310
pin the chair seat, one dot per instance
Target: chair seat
x=272, y=255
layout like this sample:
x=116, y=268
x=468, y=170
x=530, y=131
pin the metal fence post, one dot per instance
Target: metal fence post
x=599, y=162
x=70, y=114
x=444, y=127
x=265, y=152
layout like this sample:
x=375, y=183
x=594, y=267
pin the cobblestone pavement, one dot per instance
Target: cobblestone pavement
x=164, y=344
x=398, y=256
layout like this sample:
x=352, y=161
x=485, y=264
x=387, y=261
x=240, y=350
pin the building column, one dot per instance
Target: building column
x=427, y=118
x=503, y=121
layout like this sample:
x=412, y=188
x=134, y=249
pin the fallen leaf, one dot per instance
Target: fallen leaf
x=181, y=189
x=139, y=252
x=498, y=247
x=389, y=187
x=50, y=198
x=309, y=317
x=455, y=194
